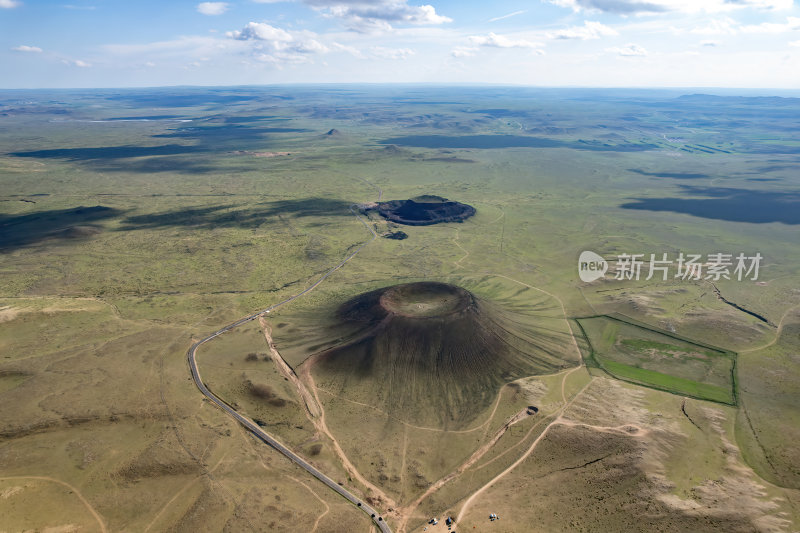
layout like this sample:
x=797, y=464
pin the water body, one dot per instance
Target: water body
x=510, y=141
x=672, y=175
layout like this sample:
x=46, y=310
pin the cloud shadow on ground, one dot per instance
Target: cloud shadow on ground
x=731, y=204
x=20, y=230
x=230, y=215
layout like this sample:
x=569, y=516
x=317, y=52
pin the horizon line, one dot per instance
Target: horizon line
x=413, y=84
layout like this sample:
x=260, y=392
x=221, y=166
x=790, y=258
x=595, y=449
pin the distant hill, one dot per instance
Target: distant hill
x=752, y=100
x=425, y=210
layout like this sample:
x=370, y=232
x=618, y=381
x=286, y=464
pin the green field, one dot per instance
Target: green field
x=641, y=354
x=673, y=384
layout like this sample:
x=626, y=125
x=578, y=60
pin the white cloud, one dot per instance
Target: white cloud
x=378, y=15
x=503, y=17
x=252, y=44
x=632, y=7
x=212, y=8
x=723, y=26
x=26, y=48
x=728, y=26
x=589, y=30
x=76, y=63
x=276, y=45
x=629, y=50
x=260, y=31
x=501, y=41
x=391, y=53
x=181, y=47
x=464, y=51
x=795, y=44
x=791, y=24
x=9, y=4
x=352, y=50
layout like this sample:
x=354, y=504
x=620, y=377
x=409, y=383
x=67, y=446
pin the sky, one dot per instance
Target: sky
x=576, y=43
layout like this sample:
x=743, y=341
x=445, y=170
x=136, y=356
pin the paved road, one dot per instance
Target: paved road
x=255, y=428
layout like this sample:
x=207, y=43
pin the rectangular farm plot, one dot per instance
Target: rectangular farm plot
x=644, y=355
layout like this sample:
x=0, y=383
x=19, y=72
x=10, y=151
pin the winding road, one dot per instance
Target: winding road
x=254, y=428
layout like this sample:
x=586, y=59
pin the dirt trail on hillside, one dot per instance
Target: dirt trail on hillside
x=312, y=406
x=322, y=427
x=75, y=491
x=558, y=421
x=408, y=511
x=306, y=388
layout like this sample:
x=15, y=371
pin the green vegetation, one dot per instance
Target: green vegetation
x=673, y=384
x=631, y=351
x=768, y=424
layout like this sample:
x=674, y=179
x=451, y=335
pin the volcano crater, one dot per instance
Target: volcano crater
x=430, y=352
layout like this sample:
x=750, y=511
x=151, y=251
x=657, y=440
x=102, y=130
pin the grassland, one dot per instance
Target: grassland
x=122, y=241
x=642, y=354
x=769, y=419
x=619, y=476
x=104, y=433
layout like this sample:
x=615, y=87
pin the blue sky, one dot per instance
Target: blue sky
x=589, y=43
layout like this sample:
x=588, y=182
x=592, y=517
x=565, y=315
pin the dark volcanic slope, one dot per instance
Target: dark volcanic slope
x=430, y=353
x=425, y=210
